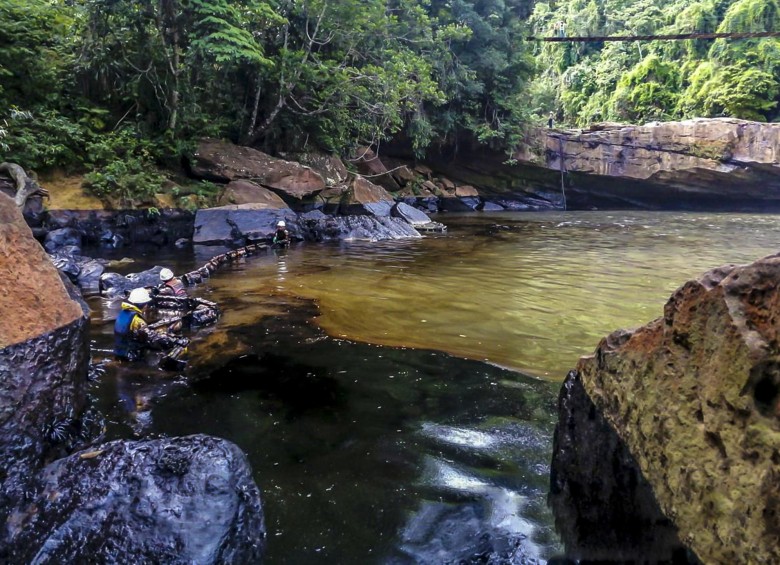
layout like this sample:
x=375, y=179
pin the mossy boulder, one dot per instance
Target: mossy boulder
x=695, y=397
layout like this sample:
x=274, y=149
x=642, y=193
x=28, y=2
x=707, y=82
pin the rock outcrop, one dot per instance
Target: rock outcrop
x=32, y=298
x=720, y=164
x=695, y=398
x=317, y=207
x=174, y=500
x=701, y=164
x=222, y=161
x=248, y=192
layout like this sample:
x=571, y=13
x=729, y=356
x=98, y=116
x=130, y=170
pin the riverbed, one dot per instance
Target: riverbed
x=396, y=399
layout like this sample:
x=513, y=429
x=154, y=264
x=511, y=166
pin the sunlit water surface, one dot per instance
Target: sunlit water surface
x=373, y=454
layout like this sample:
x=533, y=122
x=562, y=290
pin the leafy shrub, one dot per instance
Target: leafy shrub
x=129, y=181
x=41, y=140
x=125, y=168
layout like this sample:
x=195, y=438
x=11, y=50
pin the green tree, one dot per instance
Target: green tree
x=347, y=72
x=648, y=92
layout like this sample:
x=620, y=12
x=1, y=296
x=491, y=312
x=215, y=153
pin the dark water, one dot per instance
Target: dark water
x=369, y=442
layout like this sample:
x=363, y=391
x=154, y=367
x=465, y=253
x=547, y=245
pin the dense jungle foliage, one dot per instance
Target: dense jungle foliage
x=119, y=87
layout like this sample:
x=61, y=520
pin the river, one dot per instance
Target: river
x=396, y=399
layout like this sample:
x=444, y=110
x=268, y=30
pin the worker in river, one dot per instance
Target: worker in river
x=133, y=337
x=281, y=235
x=171, y=285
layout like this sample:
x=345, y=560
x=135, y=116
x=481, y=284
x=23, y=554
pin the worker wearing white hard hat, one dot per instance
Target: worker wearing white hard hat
x=132, y=335
x=281, y=235
x=171, y=285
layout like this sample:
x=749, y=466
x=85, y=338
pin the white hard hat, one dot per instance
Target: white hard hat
x=139, y=296
x=280, y=224
x=166, y=275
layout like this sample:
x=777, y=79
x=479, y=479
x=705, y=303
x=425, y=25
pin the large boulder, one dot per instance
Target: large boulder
x=365, y=197
x=369, y=164
x=695, y=397
x=330, y=167
x=224, y=162
x=44, y=355
x=239, y=223
x=175, y=500
x=248, y=192
x=32, y=298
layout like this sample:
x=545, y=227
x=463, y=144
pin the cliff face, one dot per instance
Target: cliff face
x=702, y=164
x=720, y=163
x=695, y=398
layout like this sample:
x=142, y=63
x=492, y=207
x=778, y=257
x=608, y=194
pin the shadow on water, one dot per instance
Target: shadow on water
x=370, y=454
x=299, y=388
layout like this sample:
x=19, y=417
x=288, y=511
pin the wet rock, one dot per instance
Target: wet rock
x=695, y=397
x=82, y=271
x=123, y=227
x=443, y=533
x=177, y=500
x=89, y=274
x=365, y=197
x=605, y=510
x=43, y=360
x=114, y=284
x=313, y=215
x=365, y=228
x=451, y=204
x=59, y=238
x=491, y=207
x=233, y=223
x=411, y=215
x=529, y=204
x=430, y=203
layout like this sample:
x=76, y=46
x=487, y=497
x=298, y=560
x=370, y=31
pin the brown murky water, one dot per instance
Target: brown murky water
x=531, y=292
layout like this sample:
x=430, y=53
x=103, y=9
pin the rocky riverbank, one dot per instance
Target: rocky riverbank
x=64, y=495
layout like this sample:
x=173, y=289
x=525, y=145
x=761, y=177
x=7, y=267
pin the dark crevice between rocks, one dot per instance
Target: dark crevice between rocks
x=604, y=508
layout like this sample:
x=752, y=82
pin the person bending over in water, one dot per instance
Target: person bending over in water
x=171, y=285
x=132, y=334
